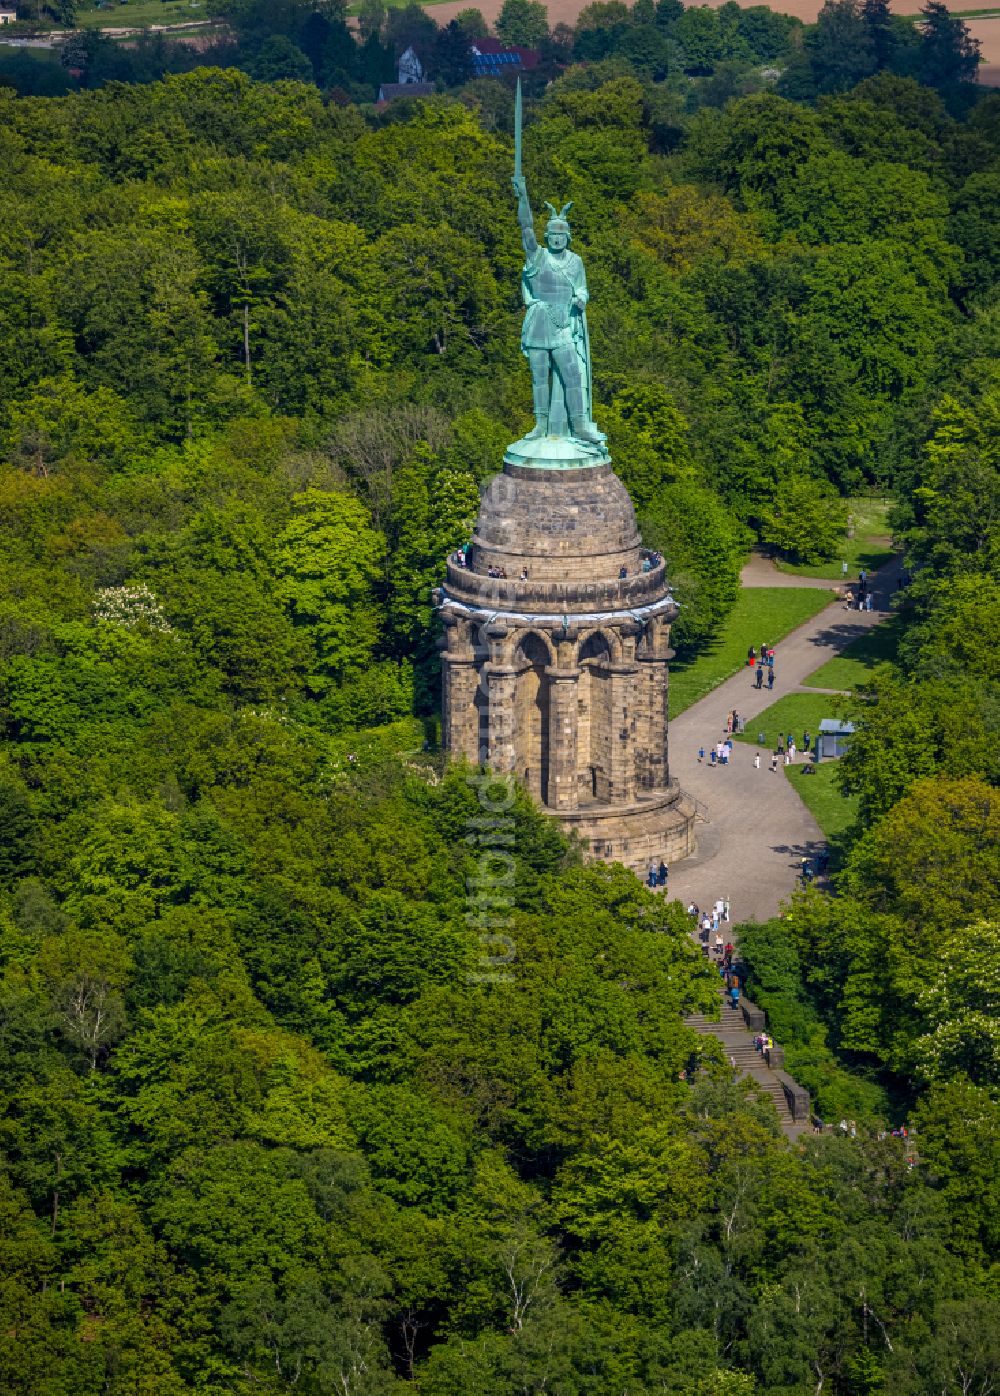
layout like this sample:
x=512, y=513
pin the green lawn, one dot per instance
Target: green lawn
x=793, y=713
x=140, y=14
x=869, y=546
x=834, y=813
x=761, y=615
x=859, y=658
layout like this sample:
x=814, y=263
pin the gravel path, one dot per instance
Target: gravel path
x=757, y=829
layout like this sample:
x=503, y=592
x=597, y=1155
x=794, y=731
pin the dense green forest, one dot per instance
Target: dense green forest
x=695, y=55
x=266, y=1124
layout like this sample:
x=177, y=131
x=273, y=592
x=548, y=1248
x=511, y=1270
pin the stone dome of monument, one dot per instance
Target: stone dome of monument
x=562, y=525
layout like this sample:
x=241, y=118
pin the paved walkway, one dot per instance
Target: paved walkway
x=760, y=571
x=758, y=830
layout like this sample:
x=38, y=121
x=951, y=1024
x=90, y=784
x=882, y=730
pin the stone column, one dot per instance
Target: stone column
x=621, y=777
x=563, y=712
x=501, y=683
x=460, y=728
x=654, y=679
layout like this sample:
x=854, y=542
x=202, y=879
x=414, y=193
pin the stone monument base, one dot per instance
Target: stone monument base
x=658, y=826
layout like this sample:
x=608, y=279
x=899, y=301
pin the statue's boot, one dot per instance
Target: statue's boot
x=541, y=427
x=581, y=428
x=540, y=394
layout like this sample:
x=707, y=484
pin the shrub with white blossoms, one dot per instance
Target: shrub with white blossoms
x=130, y=606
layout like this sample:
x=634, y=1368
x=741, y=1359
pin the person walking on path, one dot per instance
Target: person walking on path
x=701, y=754
x=770, y=678
x=756, y=760
x=774, y=762
x=760, y=677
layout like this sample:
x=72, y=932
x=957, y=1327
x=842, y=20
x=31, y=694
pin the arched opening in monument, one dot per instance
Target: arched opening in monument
x=593, y=751
x=481, y=722
x=531, y=709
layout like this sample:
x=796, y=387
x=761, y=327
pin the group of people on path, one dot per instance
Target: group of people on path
x=863, y=598
x=814, y=867
x=657, y=876
x=719, y=754
x=762, y=661
x=710, y=925
x=786, y=749
x=717, y=946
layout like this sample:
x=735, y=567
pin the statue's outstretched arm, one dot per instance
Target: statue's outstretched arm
x=524, y=217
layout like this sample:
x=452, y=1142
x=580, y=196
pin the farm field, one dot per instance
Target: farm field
x=984, y=24
x=985, y=29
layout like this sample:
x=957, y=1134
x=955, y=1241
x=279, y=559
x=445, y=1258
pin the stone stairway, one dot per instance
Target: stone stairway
x=737, y=1043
